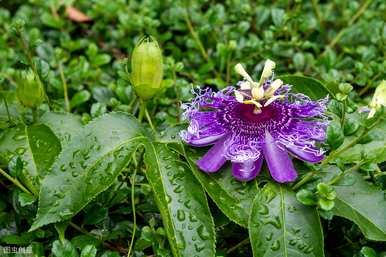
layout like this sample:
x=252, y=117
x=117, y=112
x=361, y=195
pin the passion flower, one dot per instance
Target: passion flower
x=261, y=120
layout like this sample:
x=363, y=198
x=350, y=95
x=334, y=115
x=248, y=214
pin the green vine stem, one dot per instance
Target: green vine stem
x=344, y=173
x=15, y=181
x=35, y=115
x=304, y=180
x=335, y=154
x=65, y=88
x=138, y=165
x=338, y=36
x=339, y=151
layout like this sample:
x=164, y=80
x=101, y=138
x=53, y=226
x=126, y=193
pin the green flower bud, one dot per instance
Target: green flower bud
x=146, y=68
x=29, y=91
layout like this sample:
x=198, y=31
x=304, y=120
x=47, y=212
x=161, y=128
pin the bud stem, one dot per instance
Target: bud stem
x=65, y=89
x=34, y=115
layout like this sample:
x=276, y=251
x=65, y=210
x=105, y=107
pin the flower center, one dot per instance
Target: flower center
x=242, y=118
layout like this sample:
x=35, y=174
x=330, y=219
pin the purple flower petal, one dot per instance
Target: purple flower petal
x=306, y=154
x=205, y=141
x=246, y=171
x=214, y=158
x=279, y=164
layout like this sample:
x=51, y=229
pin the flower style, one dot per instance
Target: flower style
x=261, y=120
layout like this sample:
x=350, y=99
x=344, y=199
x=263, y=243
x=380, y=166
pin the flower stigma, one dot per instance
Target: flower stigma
x=252, y=92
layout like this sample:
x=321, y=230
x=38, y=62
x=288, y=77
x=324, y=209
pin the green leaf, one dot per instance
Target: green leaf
x=232, y=197
x=88, y=251
x=308, y=86
x=26, y=199
x=63, y=249
x=80, y=98
x=364, y=204
x=36, y=145
x=280, y=226
x=373, y=149
x=87, y=166
x=100, y=60
x=182, y=203
x=64, y=125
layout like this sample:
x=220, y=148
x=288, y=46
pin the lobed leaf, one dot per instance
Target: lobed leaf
x=37, y=147
x=281, y=226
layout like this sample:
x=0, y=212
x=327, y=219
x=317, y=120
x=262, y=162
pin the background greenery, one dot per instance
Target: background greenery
x=333, y=41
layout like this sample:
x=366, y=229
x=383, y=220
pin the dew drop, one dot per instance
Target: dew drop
x=302, y=246
x=192, y=218
x=291, y=209
x=20, y=150
x=63, y=167
x=18, y=137
x=188, y=204
x=59, y=195
x=268, y=237
x=308, y=249
x=275, y=245
x=262, y=209
x=199, y=247
x=292, y=242
x=65, y=213
x=74, y=174
x=274, y=222
x=178, y=189
x=180, y=215
x=168, y=199
x=203, y=232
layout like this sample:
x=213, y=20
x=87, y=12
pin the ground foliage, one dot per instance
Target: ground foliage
x=81, y=176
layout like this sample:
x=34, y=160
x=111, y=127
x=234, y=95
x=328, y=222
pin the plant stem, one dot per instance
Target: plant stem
x=142, y=109
x=34, y=115
x=7, y=108
x=149, y=119
x=15, y=182
x=339, y=151
x=245, y=241
x=342, y=121
x=336, y=39
x=107, y=244
x=65, y=88
x=133, y=204
x=342, y=174
x=194, y=35
x=317, y=12
x=304, y=180
x=369, y=84
x=177, y=94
